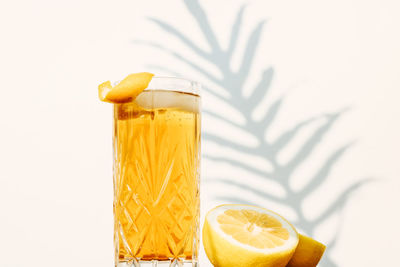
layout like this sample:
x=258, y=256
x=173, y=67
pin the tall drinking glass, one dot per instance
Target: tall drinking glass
x=156, y=175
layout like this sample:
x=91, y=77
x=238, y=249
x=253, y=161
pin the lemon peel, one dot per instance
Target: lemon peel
x=126, y=90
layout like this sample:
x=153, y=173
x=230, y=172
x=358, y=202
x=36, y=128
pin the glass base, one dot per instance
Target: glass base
x=155, y=263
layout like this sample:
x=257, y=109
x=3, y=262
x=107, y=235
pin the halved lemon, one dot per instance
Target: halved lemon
x=244, y=235
x=126, y=90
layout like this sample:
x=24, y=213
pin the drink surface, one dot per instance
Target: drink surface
x=156, y=176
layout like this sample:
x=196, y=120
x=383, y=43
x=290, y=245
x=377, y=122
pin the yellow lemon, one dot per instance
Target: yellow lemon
x=243, y=235
x=126, y=90
x=308, y=253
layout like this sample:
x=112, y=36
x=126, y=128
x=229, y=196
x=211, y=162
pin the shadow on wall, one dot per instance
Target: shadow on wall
x=233, y=81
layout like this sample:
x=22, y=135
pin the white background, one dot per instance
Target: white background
x=55, y=138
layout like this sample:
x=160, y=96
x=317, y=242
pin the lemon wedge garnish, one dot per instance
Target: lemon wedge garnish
x=126, y=90
x=243, y=235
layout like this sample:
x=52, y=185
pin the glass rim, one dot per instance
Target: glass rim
x=177, y=84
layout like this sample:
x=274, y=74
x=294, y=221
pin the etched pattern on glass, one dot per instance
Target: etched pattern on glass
x=156, y=183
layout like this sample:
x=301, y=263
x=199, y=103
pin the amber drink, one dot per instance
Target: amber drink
x=156, y=176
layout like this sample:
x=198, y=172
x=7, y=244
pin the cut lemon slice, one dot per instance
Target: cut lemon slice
x=243, y=235
x=308, y=253
x=126, y=90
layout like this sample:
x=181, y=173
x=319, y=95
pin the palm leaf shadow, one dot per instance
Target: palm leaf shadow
x=232, y=81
